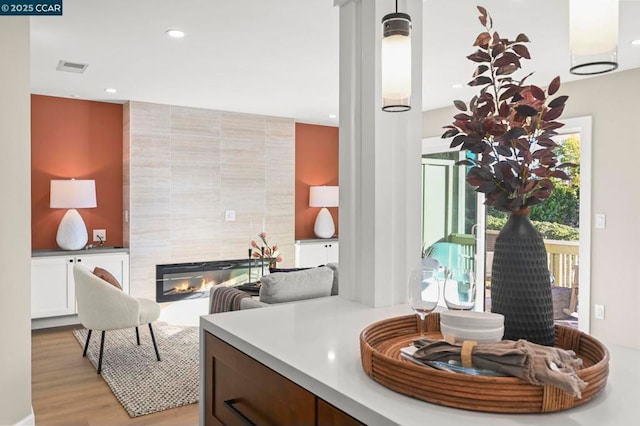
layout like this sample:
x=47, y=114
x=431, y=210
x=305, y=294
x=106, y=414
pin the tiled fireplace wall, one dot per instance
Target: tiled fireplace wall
x=183, y=167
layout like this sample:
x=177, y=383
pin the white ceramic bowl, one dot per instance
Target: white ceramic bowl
x=472, y=319
x=488, y=335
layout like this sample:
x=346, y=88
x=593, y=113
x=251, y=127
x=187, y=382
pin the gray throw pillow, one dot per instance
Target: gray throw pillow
x=282, y=287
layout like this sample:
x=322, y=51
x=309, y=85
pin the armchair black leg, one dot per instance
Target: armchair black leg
x=86, y=345
x=101, y=350
x=153, y=339
x=137, y=336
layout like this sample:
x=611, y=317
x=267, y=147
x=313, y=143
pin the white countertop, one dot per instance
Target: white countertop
x=315, y=344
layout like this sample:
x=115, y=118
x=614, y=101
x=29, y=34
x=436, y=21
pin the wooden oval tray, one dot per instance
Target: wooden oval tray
x=380, y=345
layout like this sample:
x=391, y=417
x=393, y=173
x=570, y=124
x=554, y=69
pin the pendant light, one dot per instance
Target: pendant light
x=396, y=62
x=593, y=36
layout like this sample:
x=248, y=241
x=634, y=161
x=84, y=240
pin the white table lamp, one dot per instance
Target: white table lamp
x=324, y=196
x=72, y=194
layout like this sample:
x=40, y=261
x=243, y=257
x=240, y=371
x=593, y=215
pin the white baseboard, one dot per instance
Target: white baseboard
x=30, y=420
x=38, y=323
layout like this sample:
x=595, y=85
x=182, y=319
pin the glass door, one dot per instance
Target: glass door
x=452, y=215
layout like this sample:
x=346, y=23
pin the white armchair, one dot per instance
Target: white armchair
x=102, y=307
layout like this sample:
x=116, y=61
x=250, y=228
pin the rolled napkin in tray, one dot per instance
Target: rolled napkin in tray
x=536, y=364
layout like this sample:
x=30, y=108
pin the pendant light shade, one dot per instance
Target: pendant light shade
x=593, y=36
x=396, y=62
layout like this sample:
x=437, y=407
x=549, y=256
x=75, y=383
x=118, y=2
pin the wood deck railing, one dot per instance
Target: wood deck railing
x=561, y=255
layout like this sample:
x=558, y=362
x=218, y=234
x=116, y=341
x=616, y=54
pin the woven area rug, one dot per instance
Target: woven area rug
x=141, y=383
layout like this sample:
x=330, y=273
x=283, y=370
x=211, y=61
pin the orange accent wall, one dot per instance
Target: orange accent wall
x=72, y=138
x=316, y=164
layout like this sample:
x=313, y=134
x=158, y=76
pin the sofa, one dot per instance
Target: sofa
x=278, y=287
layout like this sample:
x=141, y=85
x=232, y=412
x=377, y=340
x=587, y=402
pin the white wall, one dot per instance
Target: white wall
x=15, y=221
x=612, y=101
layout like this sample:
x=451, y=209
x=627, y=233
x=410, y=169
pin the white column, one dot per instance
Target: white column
x=15, y=222
x=380, y=160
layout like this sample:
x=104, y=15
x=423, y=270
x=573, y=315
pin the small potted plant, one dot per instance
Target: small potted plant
x=508, y=129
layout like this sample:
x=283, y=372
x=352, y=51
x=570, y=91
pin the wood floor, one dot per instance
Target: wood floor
x=67, y=391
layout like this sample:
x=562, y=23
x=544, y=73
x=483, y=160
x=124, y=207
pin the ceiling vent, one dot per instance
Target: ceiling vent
x=71, y=67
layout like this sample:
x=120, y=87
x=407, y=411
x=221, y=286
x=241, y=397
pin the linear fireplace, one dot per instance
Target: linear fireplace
x=193, y=280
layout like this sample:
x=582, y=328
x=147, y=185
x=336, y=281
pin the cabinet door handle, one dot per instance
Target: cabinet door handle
x=79, y=260
x=70, y=260
x=229, y=404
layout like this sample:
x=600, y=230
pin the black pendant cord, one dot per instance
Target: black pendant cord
x=396, y=6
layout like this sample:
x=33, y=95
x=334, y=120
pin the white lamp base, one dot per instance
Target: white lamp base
x=324, y=226
x=72, y=232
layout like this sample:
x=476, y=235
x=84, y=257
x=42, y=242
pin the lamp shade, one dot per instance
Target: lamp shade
x=396, y=62
x=593, y=36
x=73, y=194
x=323, y=196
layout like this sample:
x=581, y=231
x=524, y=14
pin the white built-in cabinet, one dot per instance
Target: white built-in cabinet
x=310, y=253
x=52, y=284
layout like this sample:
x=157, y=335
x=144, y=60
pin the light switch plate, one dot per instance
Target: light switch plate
x=600, y=221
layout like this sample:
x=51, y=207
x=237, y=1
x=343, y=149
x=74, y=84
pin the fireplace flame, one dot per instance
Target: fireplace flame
x=185, y=287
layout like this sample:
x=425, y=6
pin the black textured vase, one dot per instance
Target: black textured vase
x=520, y=283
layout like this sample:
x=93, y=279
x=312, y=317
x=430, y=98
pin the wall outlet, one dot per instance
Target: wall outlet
x=99, y=235
x=229, y=215
x=598, y=311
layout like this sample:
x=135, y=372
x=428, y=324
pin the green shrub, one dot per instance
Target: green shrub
x=549, y=230
x=561, y=207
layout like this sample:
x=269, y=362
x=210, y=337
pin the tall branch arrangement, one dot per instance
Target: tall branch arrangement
x=509, y=124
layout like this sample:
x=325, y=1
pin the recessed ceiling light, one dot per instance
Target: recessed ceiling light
x=636, y=42
x=111, y=90
x=456, y=86
x=175, y=33
x=333, y=116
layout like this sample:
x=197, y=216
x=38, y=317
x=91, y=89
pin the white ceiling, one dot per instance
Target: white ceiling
x=276, y=57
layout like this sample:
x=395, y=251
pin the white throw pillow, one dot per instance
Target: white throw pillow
x=282, y=287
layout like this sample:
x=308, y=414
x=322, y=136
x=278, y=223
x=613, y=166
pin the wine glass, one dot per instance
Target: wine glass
x=460, y=289
x=423, y=292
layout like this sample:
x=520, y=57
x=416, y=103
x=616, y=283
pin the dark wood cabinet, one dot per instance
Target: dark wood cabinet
x=241, y=391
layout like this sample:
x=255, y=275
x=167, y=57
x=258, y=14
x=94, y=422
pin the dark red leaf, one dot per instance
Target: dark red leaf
x=458, y=140
x=526, y=110
x=554, y=85
x=552, y=125
x=553, y=113
x=483, y=20
x=564, y=165
x=480, y=80
x=450, y=133
x=482, y=40
x=521, y=50
x=462, y=117
x=507, y=58
x=479, y=56
x=560, y=175
x=464, y=163
x=506, y=70
x=497, y=49
x=537, y=93
x=460, y=105
x=522, y=38
x=559, y=101
x=482, y=10
x=480, y=70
